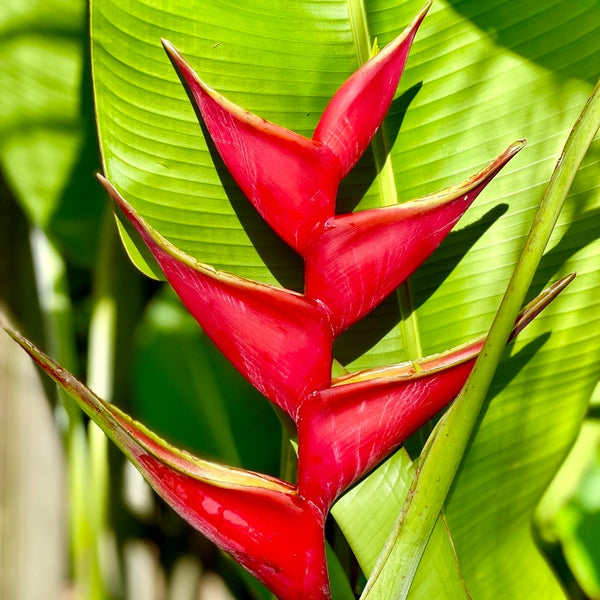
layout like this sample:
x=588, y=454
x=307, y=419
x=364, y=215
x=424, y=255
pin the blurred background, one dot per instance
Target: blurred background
x=76, y=521
x=71, y=527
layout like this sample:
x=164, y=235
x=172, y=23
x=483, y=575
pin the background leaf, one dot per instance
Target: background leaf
x=479, y=77
x=48, y=146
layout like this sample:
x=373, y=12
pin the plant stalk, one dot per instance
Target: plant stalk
x=55, y=304
x=394, y=573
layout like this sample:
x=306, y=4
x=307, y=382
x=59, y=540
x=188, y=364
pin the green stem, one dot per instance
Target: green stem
x=288, y=460
x=55, y=304
x=386, y=180
x=100, y=378
x=441, y=458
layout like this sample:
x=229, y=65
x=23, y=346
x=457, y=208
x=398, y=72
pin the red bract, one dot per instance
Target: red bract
x=278, y=339
x=281, y=341
x=349, y=427
x=252, y=516
x=361, y=257
x=292, y=181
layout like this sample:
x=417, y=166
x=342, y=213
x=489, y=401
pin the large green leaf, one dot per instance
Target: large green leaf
x=381, y=496
x=48, y=146
x=479, y=76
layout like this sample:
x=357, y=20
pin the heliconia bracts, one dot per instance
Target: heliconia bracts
x=281, y=341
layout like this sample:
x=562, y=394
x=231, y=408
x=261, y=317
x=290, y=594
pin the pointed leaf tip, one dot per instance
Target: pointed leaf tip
x=539, y=303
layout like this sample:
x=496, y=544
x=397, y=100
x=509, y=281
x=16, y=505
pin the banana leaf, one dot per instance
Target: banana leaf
x=478, y=77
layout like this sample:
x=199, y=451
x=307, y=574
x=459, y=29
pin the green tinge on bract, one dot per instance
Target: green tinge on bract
x=249, y=515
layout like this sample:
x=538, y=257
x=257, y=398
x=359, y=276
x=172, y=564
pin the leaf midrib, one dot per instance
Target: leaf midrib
x=386, y=181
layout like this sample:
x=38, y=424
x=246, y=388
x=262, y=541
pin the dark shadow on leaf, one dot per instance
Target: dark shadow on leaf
x=397, y=113
x=507, y=371
x=359, y=180
x=362, y=336
x=593, y=412
x=365, y=334
x=449, y=253
x=511, y=366
x=581, y=232
x=553, y=552
x=583, y=225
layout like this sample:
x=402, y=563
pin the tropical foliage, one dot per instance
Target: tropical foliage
x=477, y=79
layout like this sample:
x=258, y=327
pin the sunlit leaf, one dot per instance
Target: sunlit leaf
x=476, y=80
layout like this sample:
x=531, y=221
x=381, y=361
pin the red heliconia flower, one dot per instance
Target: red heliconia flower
x=281, y=341
x=352, y=261
x=261, y=521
